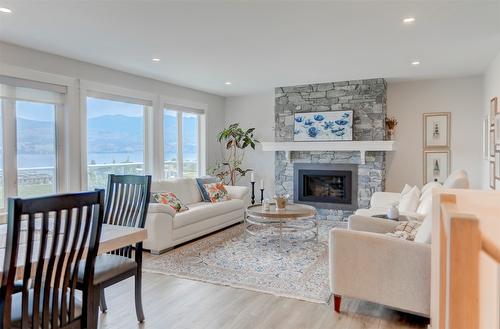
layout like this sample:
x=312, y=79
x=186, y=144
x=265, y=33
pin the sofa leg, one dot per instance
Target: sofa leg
x=336, y=303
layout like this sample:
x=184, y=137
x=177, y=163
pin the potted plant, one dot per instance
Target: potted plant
x=235, y=140
x=390, y=124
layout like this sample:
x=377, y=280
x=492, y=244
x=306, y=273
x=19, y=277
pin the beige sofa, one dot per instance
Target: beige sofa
x=369, y=265
x=166, y=228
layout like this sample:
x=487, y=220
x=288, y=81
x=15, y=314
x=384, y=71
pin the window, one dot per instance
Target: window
x=115, y=138
x=181, y=142
x=28, y=134
x=36, y=148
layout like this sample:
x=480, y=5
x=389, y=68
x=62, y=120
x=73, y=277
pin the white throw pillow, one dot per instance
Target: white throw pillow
x=425, y=206
x=430, y=186
x=409, y=201
x=406, y=189
x=424, y=232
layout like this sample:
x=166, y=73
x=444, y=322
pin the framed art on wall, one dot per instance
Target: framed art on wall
x=323, y=126
x=436, y=166
x=497, y=164
x=437, y=130
x=486, y=138
x=497, y=129
x=492, y=143
x=493, y=110
x=492, y=174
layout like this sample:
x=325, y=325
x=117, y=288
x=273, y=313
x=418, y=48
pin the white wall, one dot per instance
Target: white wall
x=491, y=89
x=256, y=111
x=406, y=101
x=13, y=56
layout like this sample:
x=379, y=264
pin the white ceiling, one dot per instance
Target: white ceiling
x=259, y=45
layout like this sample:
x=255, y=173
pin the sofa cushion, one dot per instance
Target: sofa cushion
x=185, y=189
x=217, y=192
x=201, y=181
x=406, y=189
x=457, y=179
x=429, y=186
x=203, y=210
x=171, y=200
x=409, y=201
x=425, y=230
x=405, y=230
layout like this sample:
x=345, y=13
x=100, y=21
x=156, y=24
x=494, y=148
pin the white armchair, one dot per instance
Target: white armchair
x=368, y=265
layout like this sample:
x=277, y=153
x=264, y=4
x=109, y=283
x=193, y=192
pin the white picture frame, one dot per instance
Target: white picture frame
x=486, y=138
x=492, y=143
x=497, y=129
x=437, y=130
x=437, y=165
x=492, y=175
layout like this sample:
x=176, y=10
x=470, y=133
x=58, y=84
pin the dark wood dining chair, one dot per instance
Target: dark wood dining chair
x=127, y=202
x=50, y=236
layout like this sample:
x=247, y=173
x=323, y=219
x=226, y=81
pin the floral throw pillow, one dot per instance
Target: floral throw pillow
x=216, y=192
x=170, y=199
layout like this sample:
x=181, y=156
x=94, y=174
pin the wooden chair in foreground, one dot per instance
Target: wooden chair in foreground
x=48, y=236
x=127, y=202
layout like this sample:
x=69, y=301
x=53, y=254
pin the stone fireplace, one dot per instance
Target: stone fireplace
x=367, y=100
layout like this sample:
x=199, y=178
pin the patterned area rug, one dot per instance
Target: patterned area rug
x=299, y=271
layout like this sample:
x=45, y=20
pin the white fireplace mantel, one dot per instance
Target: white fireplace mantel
x=360, y=146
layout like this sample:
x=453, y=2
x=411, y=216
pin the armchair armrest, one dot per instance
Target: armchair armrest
x=160, y=208
x=384, y=199
x=371, y=224
x=380, y=269
x=238, y=192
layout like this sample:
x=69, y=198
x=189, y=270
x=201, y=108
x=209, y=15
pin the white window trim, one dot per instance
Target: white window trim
x=9, y=129
x=183, y=105
x=87, y=86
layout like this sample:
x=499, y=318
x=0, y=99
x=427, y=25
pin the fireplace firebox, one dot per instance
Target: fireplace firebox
x=328, y=186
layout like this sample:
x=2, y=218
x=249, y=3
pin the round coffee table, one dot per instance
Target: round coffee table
x=293, y=219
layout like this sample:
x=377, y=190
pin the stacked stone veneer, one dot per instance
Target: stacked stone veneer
x=367, y=100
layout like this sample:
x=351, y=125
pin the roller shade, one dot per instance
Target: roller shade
x=184, y=109
x=119, y=98
x=28, y=90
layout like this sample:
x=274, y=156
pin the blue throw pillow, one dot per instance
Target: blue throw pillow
x=201, y=182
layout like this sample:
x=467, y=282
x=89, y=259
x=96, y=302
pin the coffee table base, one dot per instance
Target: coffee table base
x=283, y=228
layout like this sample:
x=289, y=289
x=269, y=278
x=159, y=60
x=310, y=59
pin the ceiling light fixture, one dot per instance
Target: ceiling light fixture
x=156, y=60
x=5, y=10
x=228, y=83
x=415, y=63
x=409, y=20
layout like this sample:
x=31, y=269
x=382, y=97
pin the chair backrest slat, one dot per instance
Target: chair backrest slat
x=127, y=202
x=60, y=231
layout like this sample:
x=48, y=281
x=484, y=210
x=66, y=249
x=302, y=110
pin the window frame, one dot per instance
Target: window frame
x=9, y=131
x=184, y=106
x=89, y=88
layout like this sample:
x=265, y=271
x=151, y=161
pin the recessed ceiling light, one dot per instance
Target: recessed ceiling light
x=156, y=59
x=409, y=20
x=5, y=10
x=415, y=63
x=228, y=83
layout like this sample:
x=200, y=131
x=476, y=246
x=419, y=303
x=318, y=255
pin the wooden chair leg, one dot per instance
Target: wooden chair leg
x=93, y=310
x=104, y=307
x=336, y=303
x=138, y=296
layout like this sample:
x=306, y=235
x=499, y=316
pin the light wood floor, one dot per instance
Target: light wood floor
x=173, y=303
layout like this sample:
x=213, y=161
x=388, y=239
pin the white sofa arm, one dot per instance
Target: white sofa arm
x=238, y=192
x=154, y=208
x=371, y=224
x=384, y=199
x=380, y=269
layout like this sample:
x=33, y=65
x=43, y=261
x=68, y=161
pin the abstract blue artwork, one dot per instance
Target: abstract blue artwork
x=323, y=126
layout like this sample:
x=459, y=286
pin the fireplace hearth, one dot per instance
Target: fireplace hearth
x=328, y=186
